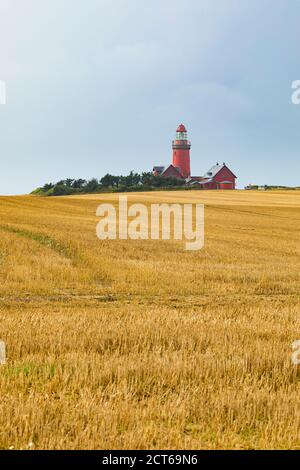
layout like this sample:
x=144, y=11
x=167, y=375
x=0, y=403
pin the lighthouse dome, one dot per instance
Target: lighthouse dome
x=181, y=128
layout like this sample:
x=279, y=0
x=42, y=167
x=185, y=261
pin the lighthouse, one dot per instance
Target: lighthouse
x=181, y=152
x=218, y=177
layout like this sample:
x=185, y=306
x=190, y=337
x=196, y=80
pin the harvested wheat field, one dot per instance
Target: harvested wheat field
x=141, y=344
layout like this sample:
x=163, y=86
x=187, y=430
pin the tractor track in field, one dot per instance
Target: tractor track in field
x=42, y=239
x=202, y=301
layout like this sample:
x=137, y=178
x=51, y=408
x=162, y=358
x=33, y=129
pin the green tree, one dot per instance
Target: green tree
x=60, y=190
x=107, y=180
x=91, y=186
x=78, y=184
x=47, y=187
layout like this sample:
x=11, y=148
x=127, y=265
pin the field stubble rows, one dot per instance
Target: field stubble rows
x=141, y=344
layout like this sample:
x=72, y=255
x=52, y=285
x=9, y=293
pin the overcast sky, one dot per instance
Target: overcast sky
x=97, y=86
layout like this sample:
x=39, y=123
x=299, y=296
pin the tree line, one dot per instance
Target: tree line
x=109, y=183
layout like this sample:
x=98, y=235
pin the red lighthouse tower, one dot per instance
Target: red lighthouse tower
x=181, y=152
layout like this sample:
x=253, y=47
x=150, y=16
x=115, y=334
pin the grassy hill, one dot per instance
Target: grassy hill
x=140, y=344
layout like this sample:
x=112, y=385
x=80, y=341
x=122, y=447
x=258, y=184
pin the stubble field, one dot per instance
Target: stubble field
x=141, y=344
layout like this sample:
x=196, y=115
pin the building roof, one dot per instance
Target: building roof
x=196, y=178
x=203, y=181
x=175, y=168
x=214, y=170
x=159, y=169
x=181, y=128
